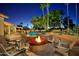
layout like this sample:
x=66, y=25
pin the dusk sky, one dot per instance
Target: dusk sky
x=25, y=12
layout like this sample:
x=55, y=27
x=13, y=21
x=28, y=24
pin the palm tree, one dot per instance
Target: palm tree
x=42, y=7
x=67, y=5
x=43, y=20
x=47, y=6
x=76, y=19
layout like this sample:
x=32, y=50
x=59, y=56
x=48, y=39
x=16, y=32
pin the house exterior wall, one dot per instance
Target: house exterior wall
x=1, y=26
x=2, y=16
x=9, y=28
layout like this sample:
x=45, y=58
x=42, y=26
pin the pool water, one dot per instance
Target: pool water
x=33, y=33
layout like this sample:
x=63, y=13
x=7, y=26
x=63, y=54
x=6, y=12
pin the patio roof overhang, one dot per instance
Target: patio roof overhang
x=8, y=24
x=3, y=16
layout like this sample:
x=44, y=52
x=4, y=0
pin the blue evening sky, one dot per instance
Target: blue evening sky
x=24, y=12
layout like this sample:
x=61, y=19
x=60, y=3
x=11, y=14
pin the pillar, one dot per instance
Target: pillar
x=8, y=30
x=14, y=29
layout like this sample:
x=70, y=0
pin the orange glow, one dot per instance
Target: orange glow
x=38, y=39
x=7, y=24
x=3, y=16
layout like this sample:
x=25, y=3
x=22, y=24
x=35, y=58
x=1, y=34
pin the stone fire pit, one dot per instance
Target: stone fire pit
x=38, y=40
x=39, y=44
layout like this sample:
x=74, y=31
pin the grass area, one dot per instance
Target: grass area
x=65, y=32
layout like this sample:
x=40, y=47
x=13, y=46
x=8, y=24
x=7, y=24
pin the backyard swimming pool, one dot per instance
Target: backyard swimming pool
x=33, y=33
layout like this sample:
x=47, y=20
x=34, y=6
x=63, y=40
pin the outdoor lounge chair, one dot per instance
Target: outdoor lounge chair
x=64, y=47
x=7, y=50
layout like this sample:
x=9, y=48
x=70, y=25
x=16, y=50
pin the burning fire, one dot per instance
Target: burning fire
x=38, y=39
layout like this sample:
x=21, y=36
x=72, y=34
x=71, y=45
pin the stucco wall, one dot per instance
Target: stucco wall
x=1, y=26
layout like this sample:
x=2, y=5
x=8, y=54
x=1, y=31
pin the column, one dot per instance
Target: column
x=8, y=30
x=14, y=29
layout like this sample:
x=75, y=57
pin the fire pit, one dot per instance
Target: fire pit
x=37, y=44
x=38, y=40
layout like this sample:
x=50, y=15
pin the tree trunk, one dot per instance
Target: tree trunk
x=47, y=16
x=43, y=13
x=44, y=25
x=76, y=20
x=68, y=16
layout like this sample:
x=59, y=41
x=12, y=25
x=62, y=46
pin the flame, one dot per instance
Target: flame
x=38, y=39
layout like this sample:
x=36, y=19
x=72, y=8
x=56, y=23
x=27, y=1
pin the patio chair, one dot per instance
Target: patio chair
x=6, y=50
x=50, y=39
x=10, y=52
x=64, y=48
